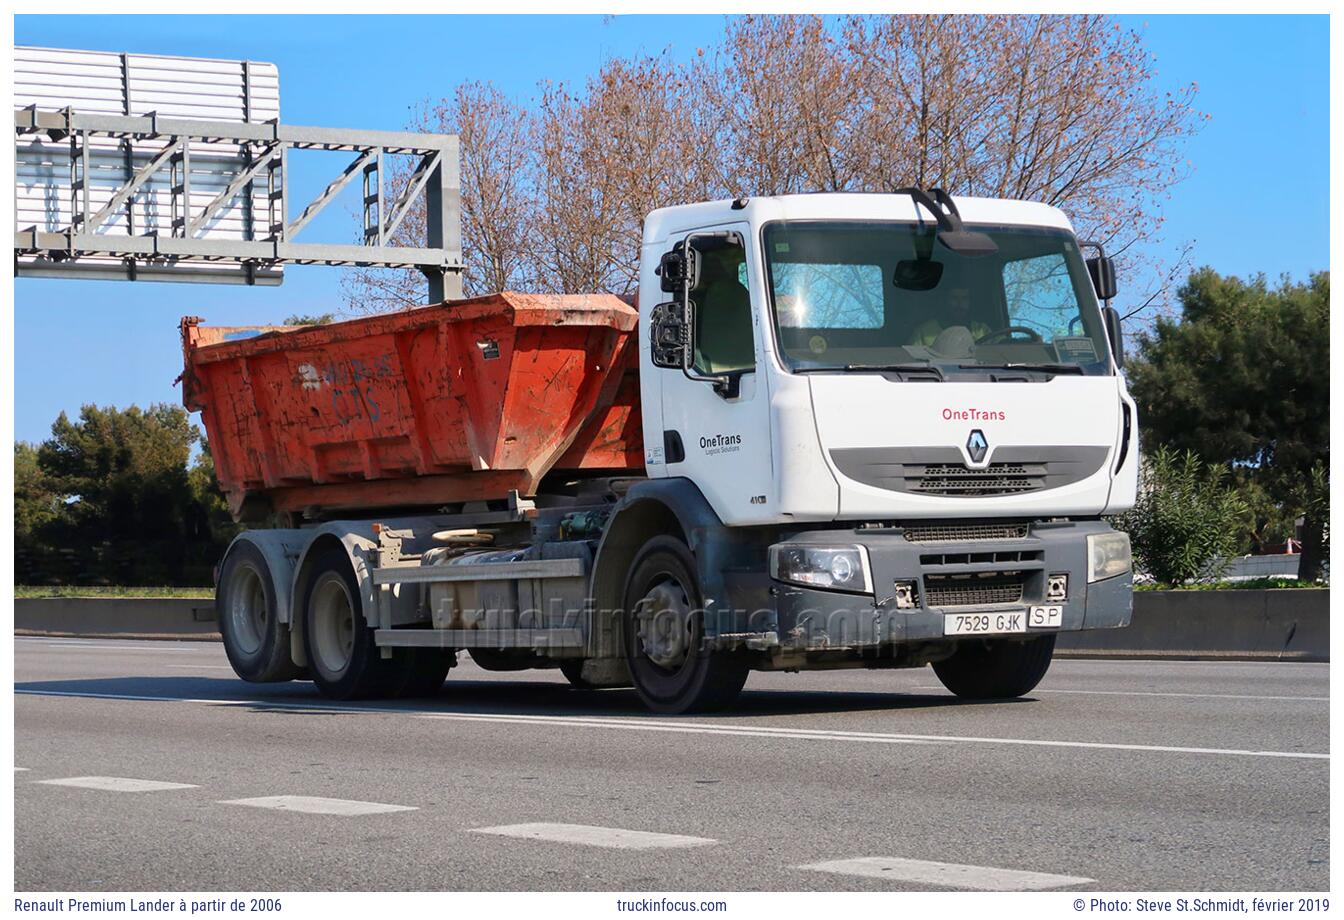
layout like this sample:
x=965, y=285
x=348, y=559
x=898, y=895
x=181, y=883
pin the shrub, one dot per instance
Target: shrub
x=1187, y=522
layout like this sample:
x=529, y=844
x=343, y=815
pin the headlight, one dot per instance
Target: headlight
x=839, y=568
x=1107, y=555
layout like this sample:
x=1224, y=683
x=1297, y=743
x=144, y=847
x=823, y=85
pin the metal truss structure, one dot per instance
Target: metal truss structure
x=104, y=228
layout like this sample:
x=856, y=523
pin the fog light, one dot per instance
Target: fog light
x=906, y=599
x=1057, y=588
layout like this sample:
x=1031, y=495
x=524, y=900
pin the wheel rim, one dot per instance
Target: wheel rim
x=333, y=625
x=663, y=624
x=248, y=614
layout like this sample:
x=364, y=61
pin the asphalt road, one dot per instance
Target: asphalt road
x=1113, y=775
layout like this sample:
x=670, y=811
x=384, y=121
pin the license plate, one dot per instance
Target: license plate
x=1051, y=617
x=975, y=624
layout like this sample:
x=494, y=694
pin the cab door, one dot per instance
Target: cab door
x=716, y=428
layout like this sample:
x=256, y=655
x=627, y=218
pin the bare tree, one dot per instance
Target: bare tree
x=1059, y=109
x=787, y=95
x=498, y=160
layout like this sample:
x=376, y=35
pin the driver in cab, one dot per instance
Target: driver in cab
x=956, y=313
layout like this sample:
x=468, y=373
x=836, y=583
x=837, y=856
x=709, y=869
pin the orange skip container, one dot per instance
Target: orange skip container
x=458, y=402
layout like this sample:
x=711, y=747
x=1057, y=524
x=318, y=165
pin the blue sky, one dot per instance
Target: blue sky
x=1257, y=200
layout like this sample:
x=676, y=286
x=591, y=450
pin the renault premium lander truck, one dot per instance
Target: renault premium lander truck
x=837, y=431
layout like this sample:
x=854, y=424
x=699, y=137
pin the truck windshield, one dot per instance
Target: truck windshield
x=851, y=295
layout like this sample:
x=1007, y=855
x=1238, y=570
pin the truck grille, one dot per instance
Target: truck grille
x=972, y=590
x=955, y=479
x=965, y=533
x=941, y=470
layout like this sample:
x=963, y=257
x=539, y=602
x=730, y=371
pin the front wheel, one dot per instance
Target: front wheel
x=996, y=669
x=663, y=627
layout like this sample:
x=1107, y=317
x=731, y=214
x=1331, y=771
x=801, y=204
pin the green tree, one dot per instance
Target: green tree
x=308, y=319
x=209, y=499
x=35, y=504
x=1243, y=379
x=1184, y=526
x=129, y=510
x=36, y=507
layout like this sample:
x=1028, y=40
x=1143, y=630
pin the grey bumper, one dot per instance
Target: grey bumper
x=1018, y=570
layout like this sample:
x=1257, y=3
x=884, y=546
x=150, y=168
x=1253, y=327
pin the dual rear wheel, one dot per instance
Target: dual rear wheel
x=343, y=661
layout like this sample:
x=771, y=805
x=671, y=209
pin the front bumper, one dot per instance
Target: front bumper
x=947, y=577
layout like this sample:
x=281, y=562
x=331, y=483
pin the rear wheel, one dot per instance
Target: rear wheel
x=663, y=628
x=996, y=669
x=420, y=672
x=255, y=641
x=572, y=668
x=344, y=662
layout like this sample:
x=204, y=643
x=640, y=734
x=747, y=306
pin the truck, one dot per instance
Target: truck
x=830, y=431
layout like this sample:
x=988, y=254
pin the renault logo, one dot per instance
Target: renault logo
x=976, y=446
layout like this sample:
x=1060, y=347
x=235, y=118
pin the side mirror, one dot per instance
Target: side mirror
x=1111, y=317
x=1102, y=270
x=677, y=267
x=669, y=333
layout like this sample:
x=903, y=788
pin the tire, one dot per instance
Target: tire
x=342, y=658
x=996, y=669
x=420, y=672
x=255, y=641
x=572, y=668
x=671, y=670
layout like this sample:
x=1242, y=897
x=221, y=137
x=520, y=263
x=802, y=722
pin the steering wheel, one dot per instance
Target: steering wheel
x=1007, y=332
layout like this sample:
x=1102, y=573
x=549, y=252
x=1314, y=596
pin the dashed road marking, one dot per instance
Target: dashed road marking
x=316, y=805
x=616, y=838
x=116, y=784
x=20, y=769
x=946, y=875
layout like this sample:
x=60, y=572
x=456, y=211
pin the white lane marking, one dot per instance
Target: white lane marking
x=616, y=838
x=202, y=667
x=116, y=784
x=20, y=769
x=695, y=728
x=640, y=724
x=1208, y=696
x=316, y=805
x=878, y=737
x=946, y=875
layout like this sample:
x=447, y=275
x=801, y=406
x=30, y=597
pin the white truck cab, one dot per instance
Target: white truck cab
x=868, y=371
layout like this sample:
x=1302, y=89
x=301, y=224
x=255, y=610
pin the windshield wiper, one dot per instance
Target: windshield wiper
x=1043, y=368
x=910, y=368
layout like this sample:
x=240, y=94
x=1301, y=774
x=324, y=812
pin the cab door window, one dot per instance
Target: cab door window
x=724, y=343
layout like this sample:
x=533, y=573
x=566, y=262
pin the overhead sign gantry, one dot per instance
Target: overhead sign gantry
x=163, y=194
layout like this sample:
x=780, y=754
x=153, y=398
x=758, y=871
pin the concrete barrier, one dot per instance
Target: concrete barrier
x=116, y=617
x=1284, y=624
x=1274, y=625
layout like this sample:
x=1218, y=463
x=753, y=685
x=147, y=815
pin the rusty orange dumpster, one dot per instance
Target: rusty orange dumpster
x=463, y=401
